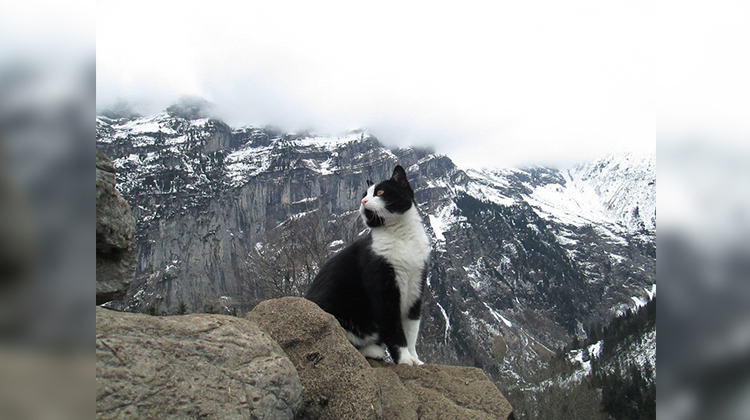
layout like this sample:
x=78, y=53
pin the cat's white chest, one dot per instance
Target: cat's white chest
x=407, y=248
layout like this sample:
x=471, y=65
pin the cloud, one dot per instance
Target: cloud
x=489, y=85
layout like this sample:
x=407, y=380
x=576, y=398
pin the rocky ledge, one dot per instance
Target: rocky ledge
x=286, y=359
x=116, y=254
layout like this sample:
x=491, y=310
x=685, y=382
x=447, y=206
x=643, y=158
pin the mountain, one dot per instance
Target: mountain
x=524, y=260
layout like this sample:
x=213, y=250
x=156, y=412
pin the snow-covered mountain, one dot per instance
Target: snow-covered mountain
x=523, y=259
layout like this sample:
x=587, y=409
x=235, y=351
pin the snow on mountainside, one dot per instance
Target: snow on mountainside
x=522, y=258
x=623, y=187
x=618, y=191
x=251, y=160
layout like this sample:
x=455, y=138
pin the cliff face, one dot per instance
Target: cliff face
x=115, y=236
x=522, y=258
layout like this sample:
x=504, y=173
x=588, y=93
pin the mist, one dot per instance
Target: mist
x=502, y=85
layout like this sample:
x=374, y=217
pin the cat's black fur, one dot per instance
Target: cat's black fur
x=374, y=286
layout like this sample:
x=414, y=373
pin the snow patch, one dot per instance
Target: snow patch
x=488, y=193
x=447, y=320
x=335, y=244
x=156, y=124
x=499, y=317
x=305, y=200
x=595, y=350
x=583, y=357
x=638, y=302
x=443, y=219
x=438, y=227
x=246, y=163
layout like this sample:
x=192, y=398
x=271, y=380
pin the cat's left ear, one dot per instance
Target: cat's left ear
x=369, y=183
x=399, y=176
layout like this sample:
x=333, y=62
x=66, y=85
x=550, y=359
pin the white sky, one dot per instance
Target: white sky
x=509, y=84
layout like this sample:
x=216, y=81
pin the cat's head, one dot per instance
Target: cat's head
x=387, y=200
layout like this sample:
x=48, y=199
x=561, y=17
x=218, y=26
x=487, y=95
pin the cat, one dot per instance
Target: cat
x=374, y=286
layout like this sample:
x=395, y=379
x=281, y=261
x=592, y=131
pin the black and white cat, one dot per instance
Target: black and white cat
x=374, y=286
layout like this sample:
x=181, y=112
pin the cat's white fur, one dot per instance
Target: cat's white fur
x=373, y=351
x=411, y=329
x=403, y=242
x=362, y=342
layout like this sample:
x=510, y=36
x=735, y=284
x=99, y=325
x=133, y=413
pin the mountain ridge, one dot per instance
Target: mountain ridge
x=522, y=259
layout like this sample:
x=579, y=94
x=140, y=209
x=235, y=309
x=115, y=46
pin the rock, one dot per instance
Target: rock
x=116, y=255
x=398, y=402
x=437, y=392
x=188, y=367
x=338, y=382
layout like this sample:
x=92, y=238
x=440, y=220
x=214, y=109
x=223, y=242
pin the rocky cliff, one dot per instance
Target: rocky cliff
x=522, y=259
x=116, y=255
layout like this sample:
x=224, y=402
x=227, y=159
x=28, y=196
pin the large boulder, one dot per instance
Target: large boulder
x=338, y=382
x=116, y=255
x=188, y=367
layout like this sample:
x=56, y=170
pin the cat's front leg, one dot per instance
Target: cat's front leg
x=383, y=291
x=411, y=330
x=392, y=332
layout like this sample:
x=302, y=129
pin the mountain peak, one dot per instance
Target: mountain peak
x=190, y=108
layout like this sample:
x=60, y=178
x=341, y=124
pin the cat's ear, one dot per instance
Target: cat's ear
x=399, y=176
x=369, y=183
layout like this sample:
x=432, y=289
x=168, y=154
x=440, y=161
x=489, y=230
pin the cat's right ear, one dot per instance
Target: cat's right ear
x=369, y=183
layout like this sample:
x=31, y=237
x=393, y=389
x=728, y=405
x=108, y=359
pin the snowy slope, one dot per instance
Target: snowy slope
x=621, y=187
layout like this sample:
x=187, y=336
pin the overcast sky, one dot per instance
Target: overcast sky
x=511, y=84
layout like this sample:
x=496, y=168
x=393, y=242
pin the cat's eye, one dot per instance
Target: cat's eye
x=380, y=192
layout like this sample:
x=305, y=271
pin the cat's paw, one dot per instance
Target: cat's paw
x=409, y=360
x=416, y=360
x=414, y=356
x=406, y=358
x=373, y=351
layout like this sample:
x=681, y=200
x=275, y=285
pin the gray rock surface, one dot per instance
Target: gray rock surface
x=338, y=382
x=188, y=367
x=116, y=255
x=439, y=392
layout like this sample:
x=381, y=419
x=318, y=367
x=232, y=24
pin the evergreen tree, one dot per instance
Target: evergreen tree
x=181, y=308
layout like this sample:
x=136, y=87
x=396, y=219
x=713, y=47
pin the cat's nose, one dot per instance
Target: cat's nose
x=364, y=201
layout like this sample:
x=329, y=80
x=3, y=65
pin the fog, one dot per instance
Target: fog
x=489, y=85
